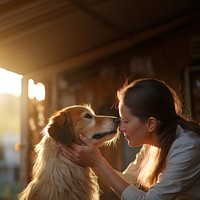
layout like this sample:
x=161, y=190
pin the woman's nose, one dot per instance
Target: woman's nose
x=121, y=128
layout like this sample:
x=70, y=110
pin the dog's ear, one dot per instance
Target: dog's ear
x=61, y=129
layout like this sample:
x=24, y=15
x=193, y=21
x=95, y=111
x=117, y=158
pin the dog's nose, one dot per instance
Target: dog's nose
x=116, y=120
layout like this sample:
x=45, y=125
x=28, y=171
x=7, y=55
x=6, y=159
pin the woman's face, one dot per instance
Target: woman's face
x=135, y=131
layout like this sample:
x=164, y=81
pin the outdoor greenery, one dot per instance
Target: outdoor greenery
x=9, y=125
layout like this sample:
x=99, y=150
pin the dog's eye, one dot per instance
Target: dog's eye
x=88, y=116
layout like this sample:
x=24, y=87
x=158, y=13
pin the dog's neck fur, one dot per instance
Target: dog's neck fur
x=55, y=177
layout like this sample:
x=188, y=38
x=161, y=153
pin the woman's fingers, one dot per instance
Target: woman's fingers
x=85, y=140
x=67, y=152
x=71, y=154
x=84, y=155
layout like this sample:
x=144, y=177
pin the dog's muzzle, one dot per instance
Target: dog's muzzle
x=103, y=134
x=100, y=135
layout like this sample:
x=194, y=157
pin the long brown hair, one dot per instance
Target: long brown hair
x=153, y=98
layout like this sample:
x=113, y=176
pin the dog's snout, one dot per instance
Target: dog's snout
x=116, y=120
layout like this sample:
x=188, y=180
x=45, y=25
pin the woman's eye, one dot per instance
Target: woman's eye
x=124, y=121
x=88, y=116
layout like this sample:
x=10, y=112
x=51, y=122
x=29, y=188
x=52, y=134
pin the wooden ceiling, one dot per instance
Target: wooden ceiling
x=40, y=37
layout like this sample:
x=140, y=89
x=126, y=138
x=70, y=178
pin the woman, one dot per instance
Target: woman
x=168, y=164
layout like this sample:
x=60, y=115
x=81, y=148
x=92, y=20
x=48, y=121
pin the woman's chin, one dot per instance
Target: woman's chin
x=130, y=144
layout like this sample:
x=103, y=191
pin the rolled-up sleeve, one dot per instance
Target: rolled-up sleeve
x=130, y=173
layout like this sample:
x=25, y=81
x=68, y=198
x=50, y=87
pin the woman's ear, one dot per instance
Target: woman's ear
x=152, y=124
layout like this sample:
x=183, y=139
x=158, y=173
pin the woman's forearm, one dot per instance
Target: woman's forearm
x=110, y=177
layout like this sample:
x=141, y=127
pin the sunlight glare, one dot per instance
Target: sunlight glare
x=10, y=82
x=36, y=90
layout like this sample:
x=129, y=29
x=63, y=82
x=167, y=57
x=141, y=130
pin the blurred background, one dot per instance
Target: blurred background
x=59, y=53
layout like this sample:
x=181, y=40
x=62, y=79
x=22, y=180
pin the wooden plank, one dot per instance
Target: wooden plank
x=24, y=146
x=109, y=49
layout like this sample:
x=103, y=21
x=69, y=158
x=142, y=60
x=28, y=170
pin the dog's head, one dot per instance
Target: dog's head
x=66, y=125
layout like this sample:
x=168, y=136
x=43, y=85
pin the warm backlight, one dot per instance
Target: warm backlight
x=10, y=83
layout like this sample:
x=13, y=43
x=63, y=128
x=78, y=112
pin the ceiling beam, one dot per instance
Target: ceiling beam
x=109, y=49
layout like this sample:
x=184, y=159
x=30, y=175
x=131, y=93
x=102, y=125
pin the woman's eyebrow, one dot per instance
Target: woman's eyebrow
x=123, y=117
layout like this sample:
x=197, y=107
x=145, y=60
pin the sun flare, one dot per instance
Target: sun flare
x=10, y=82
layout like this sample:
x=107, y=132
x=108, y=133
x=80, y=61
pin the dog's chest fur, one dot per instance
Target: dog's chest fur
x=57, y=178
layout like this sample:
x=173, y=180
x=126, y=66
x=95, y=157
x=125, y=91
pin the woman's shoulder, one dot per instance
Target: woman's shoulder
x=186, y=137
x=187, y=142
x=185, y=151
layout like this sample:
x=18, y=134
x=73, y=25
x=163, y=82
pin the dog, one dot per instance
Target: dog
x=54, y=176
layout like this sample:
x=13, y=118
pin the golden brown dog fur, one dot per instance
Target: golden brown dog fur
x=54, y=176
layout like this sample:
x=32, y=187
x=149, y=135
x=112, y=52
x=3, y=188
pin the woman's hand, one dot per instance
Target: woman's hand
x=88, y=155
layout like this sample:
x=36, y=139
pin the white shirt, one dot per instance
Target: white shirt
x=181, y=178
